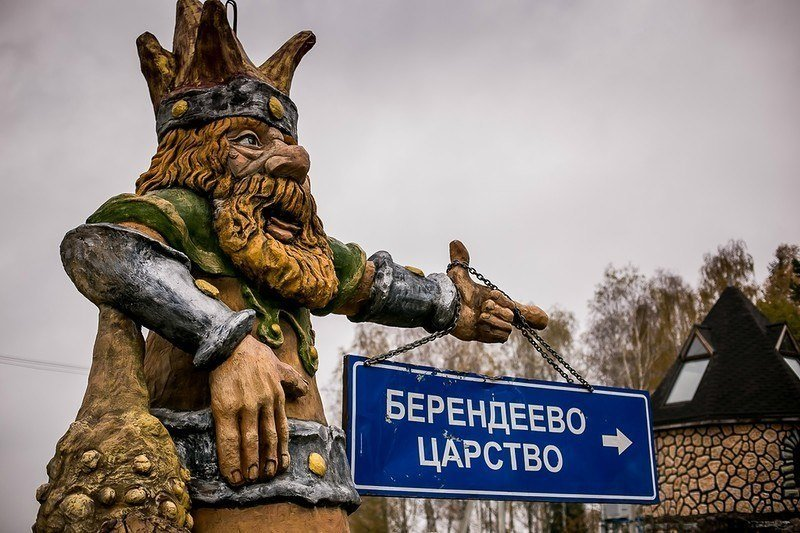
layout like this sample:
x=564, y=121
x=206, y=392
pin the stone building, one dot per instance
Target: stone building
x=727, y=424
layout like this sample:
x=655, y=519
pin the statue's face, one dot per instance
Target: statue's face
x=267, y=223
x=259, y=150
x=264, y=213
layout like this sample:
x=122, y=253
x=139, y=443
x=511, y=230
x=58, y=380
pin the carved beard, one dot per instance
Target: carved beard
x=301, y=269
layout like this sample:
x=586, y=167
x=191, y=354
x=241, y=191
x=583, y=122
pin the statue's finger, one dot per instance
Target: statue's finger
x=270, y=436
x=293, y=383
x=458, y=252
x=459, y=274
x=491, y=334
x=499, y=311
x=248, y=429
x=534, y=316
x=282, y=427
x=227, y=427
x=496, y=323
x=501, y=299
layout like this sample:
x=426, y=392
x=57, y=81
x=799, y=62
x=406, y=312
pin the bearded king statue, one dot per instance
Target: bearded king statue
x=220, y=254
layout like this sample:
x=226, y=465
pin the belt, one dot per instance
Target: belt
x=193, y=435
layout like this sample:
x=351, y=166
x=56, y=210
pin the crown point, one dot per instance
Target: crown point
x=280, y=67
x=158, y=66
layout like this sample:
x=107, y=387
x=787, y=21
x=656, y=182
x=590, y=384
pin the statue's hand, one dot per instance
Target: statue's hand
x=248, y=394
x=486, y=315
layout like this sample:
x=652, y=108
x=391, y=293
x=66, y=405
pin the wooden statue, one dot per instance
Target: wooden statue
x=220, y=254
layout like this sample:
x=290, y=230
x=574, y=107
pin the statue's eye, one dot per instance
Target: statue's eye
x=248, y=139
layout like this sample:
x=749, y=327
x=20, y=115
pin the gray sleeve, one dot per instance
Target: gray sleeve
x=399, y=297
x=151, y=283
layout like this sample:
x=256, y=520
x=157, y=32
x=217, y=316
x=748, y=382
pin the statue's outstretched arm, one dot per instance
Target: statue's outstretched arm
x=396, y=295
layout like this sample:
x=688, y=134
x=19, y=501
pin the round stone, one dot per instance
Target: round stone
x=707, y=483
x=178, y=487
x=89, y=460
x=142, y=464
x=275, y=108
x=313, y=351
x=41, y=492
x=168, y=510
x=316, y=463
x=77, y=506
x=106, y=495
x=276, y=329
x=750, y=460
x=135, y=496
x=179, y=108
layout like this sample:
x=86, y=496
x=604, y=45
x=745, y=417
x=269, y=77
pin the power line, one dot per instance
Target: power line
x=37, y=364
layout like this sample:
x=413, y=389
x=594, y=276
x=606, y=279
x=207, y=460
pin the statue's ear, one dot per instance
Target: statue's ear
x=280, y=67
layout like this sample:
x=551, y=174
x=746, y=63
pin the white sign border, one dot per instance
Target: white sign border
x=465, y=492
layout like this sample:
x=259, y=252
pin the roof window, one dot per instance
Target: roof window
x=696, y=360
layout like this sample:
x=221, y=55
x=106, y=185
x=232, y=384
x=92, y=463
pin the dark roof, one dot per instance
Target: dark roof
x=746, y=377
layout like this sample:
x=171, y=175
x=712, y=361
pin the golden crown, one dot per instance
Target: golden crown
x=208, y=75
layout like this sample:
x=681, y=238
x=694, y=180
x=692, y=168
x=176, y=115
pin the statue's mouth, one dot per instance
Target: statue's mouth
x=282, y=225
x=285, y=211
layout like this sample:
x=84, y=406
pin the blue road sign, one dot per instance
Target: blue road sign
x=415, y=431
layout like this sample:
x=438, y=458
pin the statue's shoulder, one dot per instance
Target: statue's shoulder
x=349, y=260
x=181, y=216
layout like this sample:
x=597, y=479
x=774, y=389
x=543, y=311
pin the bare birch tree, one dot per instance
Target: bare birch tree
x=636, y=325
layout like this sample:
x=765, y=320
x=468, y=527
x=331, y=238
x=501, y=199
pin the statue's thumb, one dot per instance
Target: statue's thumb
x=458, y=252
x=293, y=384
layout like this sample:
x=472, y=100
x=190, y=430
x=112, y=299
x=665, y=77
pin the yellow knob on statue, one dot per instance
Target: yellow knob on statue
x=179, y=108
x=275, y=108
x=316, y=463
x=207, y=288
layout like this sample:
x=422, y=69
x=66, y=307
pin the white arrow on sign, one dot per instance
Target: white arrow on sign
x=618, y=441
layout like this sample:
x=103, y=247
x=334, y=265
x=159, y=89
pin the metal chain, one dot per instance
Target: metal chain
x=419, y=342
x=524, y=327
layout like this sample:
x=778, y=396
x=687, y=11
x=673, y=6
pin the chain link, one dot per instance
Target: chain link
x=419, y=342
x=548, y=353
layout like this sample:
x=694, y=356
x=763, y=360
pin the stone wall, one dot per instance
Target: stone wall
x=741, y=468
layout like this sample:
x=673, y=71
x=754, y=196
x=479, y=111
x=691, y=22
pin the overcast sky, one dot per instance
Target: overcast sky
x=553, y=138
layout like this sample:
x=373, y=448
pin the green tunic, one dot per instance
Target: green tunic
x=184, y=219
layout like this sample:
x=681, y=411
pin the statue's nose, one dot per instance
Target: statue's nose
x=290, y=162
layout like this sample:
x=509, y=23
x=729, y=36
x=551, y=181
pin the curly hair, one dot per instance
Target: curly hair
x=193, y=159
